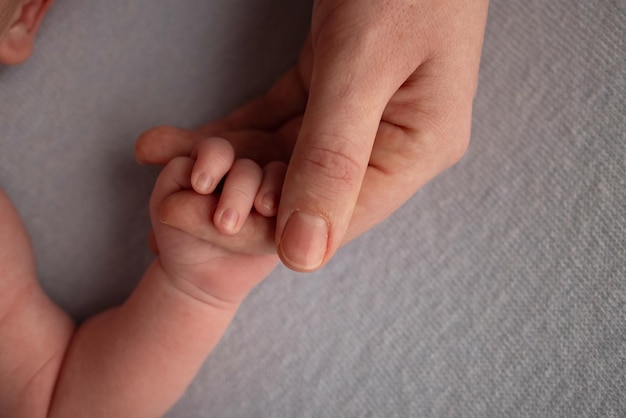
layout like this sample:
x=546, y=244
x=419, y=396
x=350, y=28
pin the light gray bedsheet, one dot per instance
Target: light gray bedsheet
x=498, y=290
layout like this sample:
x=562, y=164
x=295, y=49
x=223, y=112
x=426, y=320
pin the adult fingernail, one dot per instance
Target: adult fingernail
x=304, y=241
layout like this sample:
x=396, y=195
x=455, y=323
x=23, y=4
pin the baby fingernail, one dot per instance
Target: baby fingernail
x=269, y=200
x=228, y=220
x=203, y=183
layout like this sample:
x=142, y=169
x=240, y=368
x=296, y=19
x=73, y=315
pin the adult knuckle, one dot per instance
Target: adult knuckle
x=333, y=169
x=439, y=147
x=457, y=149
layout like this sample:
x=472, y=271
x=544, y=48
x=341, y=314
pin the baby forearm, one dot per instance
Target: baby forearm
x=34, y=334
x=137, y=360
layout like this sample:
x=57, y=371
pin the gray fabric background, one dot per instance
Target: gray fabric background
x=498, y=290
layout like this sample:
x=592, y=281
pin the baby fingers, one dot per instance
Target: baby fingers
x=268, y=196
x=238, y=194
x=214, y=157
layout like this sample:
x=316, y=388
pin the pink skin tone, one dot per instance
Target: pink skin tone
x=115, y=362
x=378, y=104
x=18, y=34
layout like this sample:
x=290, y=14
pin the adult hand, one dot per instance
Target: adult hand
x=378, y=104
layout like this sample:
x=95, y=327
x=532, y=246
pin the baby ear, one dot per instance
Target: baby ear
x=16, y=45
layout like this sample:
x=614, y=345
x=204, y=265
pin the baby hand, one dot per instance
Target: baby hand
x=246, y=185
x=240, y=211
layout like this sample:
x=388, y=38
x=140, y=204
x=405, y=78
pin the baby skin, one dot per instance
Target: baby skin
x=136, y=360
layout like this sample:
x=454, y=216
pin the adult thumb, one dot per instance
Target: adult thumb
x=346, y=101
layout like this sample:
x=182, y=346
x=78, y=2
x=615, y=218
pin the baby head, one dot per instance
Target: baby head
x=19, y=22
